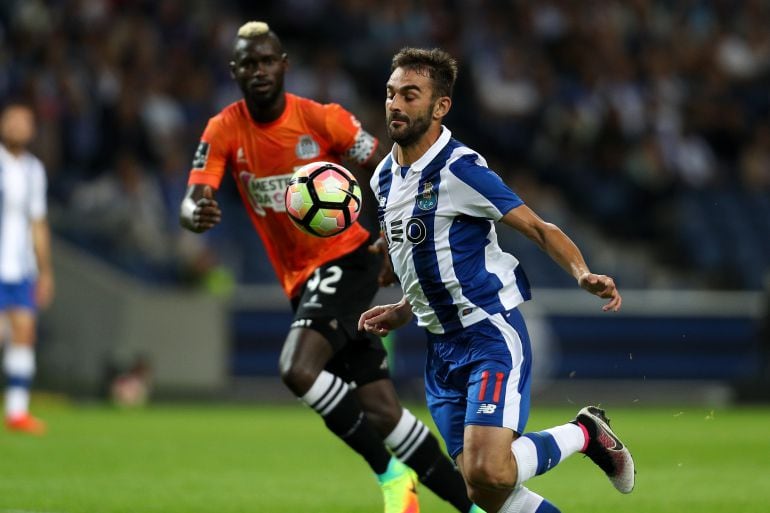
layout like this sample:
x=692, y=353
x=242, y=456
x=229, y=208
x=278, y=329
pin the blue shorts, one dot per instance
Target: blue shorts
x=17, y=295
x=479, y=375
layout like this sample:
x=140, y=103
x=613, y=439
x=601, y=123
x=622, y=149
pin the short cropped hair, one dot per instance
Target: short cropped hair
x=253, y=29
x=258, y=29
x=438, y=64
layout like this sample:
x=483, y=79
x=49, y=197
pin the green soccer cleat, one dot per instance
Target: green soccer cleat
x=399, y=488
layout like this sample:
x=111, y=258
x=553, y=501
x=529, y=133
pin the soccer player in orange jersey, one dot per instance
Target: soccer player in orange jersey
x=262, y=139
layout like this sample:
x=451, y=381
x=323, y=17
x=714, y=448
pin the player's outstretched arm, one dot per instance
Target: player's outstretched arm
x=564, y=252
x=380, y=320
x=199, y=210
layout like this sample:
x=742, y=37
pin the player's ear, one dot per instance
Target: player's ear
x=441, y=107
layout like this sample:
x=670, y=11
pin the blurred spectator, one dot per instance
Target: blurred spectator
x=118, y=214
x=755, y=160
x=121, y=209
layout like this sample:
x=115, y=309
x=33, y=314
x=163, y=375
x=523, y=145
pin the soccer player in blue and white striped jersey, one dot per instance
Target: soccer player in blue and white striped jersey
x=438, y=204
x=26, y=274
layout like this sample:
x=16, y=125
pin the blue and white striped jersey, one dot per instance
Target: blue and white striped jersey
x=438, y=218
x=22, y=200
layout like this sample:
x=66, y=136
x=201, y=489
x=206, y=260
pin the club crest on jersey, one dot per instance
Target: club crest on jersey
x=307, y=148
x=428, y=198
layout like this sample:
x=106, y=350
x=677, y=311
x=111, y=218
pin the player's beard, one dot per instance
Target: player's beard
x=412, y=130
x=266, y=99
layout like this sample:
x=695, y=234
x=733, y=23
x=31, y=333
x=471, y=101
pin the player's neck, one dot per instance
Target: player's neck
x=408, y=155
x=14, y=149
x=267, y=113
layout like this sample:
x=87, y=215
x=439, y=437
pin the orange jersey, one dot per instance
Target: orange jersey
x=263, y=156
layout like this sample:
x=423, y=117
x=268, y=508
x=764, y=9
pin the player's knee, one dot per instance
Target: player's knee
x=483, y=475
x=297, y=378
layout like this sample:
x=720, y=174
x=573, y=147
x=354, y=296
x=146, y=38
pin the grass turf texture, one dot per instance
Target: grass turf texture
x=276, y=459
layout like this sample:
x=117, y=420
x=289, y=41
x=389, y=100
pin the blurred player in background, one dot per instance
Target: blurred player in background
x=338, y=371
x=26, y=275
x=438, y=202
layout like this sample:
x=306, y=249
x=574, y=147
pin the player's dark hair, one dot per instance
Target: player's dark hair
x=436, y=63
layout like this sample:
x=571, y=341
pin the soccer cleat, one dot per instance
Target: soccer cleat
x=476, y=509
x=400, y=491
x=606, y=449
x=25, y=424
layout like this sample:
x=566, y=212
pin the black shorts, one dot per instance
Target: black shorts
x=331, y=301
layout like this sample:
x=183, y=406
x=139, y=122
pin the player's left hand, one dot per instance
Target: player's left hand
x=604, y=287
x=386, y=277
x=44, y=290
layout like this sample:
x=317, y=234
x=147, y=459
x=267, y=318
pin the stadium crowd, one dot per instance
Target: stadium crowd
x=638, y=124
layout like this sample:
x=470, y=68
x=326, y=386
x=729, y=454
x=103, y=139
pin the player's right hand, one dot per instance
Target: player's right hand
x=201, y=214
x=380, y=320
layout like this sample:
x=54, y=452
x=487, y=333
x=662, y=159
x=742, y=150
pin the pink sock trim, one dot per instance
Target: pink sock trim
x=585, y=434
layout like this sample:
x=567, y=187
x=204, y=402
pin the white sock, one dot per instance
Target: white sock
x=537, y=453
x=523, y=500
x=327, y=391
x=19, y=366
x=407, y=436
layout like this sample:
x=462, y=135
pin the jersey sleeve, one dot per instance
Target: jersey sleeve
x=477, y=191
x=210, y=161
x=37, y=205
x=346, y=135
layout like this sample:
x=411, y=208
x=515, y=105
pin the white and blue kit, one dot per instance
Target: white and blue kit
x=22, y=201
x=438, y=218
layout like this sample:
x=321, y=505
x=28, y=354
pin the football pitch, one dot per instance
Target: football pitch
x=280, y=459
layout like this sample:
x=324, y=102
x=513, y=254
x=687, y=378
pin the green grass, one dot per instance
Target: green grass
x=260, y=459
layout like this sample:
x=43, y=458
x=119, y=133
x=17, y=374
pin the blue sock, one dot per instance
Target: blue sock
x=537, y=453
x=523, y=500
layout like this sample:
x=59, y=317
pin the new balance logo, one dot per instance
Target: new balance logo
x=487, y=409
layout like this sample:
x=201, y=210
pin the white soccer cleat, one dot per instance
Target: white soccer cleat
x=606, y=449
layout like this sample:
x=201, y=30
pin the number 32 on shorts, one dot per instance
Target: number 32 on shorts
x=325, y=284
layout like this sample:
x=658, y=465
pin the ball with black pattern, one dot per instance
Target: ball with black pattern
x=323, y=199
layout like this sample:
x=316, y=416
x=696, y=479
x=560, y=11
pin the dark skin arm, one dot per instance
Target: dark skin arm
x=199, y=210
x=386, y=276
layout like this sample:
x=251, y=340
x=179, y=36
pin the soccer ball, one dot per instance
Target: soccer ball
x=323, y=199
